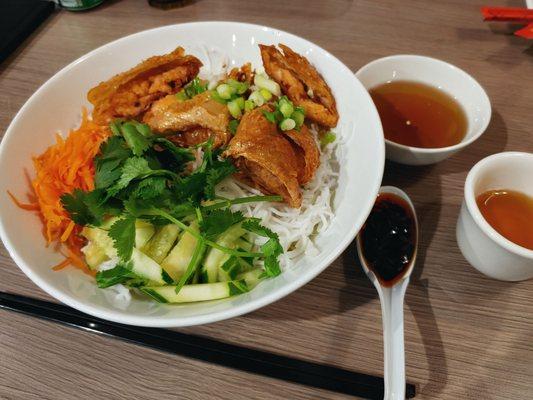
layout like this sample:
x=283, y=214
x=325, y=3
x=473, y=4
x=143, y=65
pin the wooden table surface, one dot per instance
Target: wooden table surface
x=467, y=336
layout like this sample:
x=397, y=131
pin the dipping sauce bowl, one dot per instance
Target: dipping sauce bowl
x=441, y=75
x=484, y=248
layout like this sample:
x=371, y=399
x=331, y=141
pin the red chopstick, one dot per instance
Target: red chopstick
x=510, y=14
x=526, y=32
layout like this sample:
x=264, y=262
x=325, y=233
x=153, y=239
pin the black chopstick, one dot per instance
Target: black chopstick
x=209, y=350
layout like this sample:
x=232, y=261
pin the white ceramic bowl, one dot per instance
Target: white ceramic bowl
x=57, y=104
x=447, y=77
x=483, y=247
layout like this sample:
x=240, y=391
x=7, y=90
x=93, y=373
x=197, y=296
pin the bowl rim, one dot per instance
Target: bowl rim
x=484, y=98
x=473, y=209
x=280, y=292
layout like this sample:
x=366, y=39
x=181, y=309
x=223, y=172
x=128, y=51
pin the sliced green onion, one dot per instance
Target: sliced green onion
x=225, y=91
x=299, y=109
x=266, y=94
x=287, y=124
x=232, y=126
x=215, y=96
x=263, y=82
x=182, y=96
x=249, y=105
x=240, y=87
x=234, y=109
x=270, y=116
x=328, y=138
x=298, y=117
x=257, y=98
x=195, y=87
x=240, y=102
x=286, y=108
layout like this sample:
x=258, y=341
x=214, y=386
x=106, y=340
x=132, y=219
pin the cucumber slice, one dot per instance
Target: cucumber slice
x=143, y=232
x=161, y=243
x=94, y=255
x=232, y=266
x=229, y=270
x=215, y=258
x=144, y=267
x=101, y=239
x=252, y=277
x=175, y=264
x=198, y=292
x=98, y=236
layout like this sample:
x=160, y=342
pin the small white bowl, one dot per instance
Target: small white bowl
x=447, y=77
x=482, y=246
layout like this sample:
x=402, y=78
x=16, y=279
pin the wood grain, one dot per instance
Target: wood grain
x=467, y=336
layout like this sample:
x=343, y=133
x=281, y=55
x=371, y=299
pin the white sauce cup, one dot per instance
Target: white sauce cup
x=442, y=75
x=483, y=247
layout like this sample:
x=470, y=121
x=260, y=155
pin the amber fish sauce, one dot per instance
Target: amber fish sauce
x=419, y=115
x=510, y=213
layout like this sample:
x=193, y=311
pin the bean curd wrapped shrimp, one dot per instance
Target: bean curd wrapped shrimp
x=302, y=84
x=131, y=93
x=190, y=122
x=274, y=162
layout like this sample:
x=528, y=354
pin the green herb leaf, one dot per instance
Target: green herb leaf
x=106, y=174
x=120, y=274
x=134, y=167
x=136, y=141
x=123, y=234
x=85, y=208
x=208, y=154
x=143, y=129
x=271, y=249
x=254, y=225
x=181, y=155
x=191, y=187
x=218, y=221
x=150, y=187
x=272, y=267
x=219, y=171
x=113, y=153
x=137, y=207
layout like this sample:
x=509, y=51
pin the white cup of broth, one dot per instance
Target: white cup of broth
x=495, y=226
x=429, y=108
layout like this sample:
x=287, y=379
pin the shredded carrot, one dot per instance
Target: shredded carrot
x=67, y=231
x=61, y=265
x=63, y=167
x=24, y=206
x=75, y=258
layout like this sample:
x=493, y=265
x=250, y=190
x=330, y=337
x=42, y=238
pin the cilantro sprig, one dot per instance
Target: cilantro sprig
x=139, y=175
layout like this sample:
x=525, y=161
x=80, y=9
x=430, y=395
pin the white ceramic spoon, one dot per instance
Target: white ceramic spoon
x=391, y=299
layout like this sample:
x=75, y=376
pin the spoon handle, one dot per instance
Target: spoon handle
x=393, y=345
